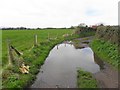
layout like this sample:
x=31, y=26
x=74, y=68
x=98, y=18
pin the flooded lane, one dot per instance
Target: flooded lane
x=61, y=65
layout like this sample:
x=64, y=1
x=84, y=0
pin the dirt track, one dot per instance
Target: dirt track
x=107, y=78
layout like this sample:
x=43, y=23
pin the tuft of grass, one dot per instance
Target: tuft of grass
x=85, y=80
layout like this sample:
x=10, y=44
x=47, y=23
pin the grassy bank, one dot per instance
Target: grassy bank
x=85, y=80
x=106, y=51
x=34, y=57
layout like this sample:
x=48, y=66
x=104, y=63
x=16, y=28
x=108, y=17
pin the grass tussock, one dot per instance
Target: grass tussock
x=85, y=80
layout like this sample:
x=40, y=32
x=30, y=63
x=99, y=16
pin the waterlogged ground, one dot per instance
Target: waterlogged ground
x=61, y=65
x=63, y=61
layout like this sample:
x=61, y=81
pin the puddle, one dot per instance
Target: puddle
x=62, y=63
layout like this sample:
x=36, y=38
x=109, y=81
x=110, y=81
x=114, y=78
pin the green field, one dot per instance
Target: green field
x=23, y=41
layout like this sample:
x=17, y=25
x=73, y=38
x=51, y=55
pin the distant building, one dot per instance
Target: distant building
x=94, y=26
x=82, y=25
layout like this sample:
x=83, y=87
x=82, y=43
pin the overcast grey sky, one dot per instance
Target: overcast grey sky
x=57, y=13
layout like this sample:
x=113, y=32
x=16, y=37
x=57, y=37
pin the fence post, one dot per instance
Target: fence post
x=48, y=36
x=35, y=40
x=56, y=35
x=10, y=54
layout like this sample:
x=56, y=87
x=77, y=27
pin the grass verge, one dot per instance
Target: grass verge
x=106, y=51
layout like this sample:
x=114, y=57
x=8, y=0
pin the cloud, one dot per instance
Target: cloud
x=57, y=13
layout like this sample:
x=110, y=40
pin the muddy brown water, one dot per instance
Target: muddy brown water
x=62, y=63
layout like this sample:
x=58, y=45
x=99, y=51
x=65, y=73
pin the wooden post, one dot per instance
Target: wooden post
x=10, y=54
x=57, y=36
x=35, y=40
x=48, y=36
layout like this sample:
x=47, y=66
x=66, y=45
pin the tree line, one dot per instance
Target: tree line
x=24, y=28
